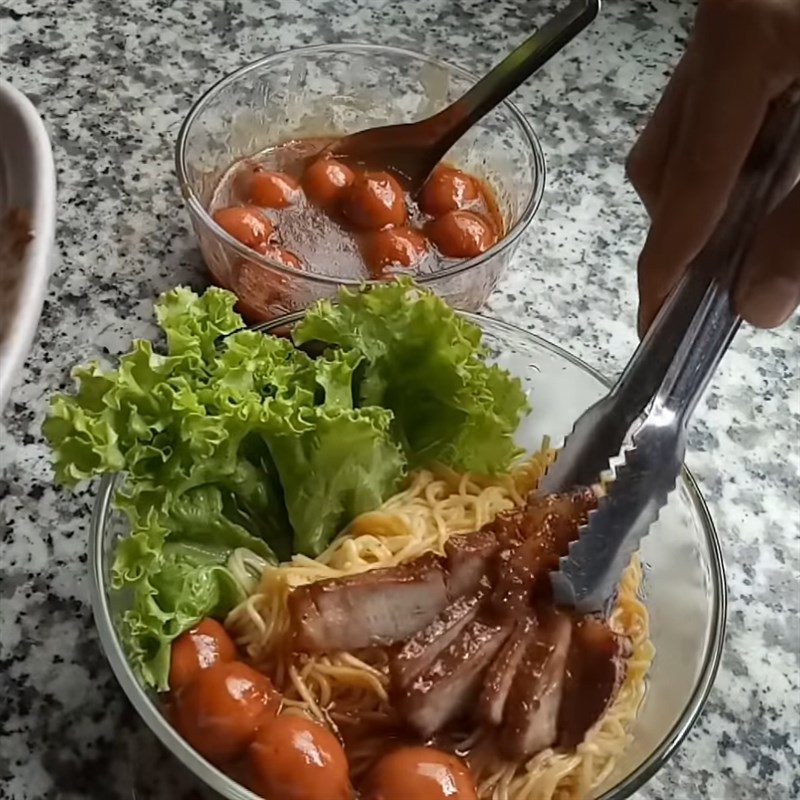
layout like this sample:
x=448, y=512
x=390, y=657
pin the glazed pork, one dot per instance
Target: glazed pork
x=470, y=558
x=539, y=536
x=500, y=675
x=595, y=670
x=448, y=688
x=378, y=607
x=422, y=649
x=384, y=606
x=530, y=715
x=474, y=633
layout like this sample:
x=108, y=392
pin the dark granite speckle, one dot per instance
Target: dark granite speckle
x=113, y=81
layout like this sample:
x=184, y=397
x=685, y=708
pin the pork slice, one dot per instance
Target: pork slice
x=595, y=670
x=499, y=677
x=548, y=525
x=530, y=719
x=468, y=559
x=508, y=528
x=449, y=687
x=377, y=607
x=424, y=647
x=574, y=505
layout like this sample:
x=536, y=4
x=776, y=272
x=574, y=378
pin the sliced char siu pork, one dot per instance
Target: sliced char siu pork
x=530, y=717
x=500, y=676
x=595, y=671
x=422, y=649
x=449, y=687
x=383, y=606
x=378, y=607
x=480, y=636
x=543, y=532
x=503, y=654
x=470, y=558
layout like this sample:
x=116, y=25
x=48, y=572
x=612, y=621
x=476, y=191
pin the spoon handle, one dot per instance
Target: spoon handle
x=515, y=68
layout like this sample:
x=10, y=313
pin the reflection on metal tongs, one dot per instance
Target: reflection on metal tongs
x=637, y=432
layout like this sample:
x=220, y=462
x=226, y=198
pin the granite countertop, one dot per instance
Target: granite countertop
x=113, y=82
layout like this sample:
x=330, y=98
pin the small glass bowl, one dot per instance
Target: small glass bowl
x=684, y=578
x=331, y=90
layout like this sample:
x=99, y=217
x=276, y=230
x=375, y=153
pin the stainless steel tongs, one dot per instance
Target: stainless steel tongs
x=635, y=437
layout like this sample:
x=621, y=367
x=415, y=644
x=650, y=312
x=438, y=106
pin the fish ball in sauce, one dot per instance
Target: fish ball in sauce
x=221, y=710
x=325, y=179
x=420, y=772
x=245, y=223
x=351, y=219
x=400, y=247
x=375, y=200
x=461, y=234
x=293, y=758
x=264, y=187
x=199, y=648
x=448, y=189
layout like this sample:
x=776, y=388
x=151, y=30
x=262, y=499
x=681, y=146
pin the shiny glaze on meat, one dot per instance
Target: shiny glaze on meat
x=490, y=648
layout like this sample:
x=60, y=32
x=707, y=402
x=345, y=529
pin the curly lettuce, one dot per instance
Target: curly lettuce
x=424, y=362
x=173, y=570
x=227, y=438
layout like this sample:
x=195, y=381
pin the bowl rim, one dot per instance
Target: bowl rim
x=196, y=207
x=26, y=159
x=225, y=785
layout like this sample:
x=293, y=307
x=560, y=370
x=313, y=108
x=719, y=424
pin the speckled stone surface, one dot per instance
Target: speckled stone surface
x=113, y=82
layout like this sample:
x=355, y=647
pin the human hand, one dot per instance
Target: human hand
x=742, y=54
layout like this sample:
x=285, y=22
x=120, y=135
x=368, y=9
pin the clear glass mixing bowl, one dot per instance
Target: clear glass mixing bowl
x=684, y=577
x=331, y=90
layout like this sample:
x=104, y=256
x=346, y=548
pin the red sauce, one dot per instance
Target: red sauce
x=323, y=216
x=15, y=235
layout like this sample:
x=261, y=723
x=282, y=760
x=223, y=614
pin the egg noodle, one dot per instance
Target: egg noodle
x=346, y=688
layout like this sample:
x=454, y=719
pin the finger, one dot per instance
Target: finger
x=699, y=175
x=648, y=157
x=768, y=289
x=728, y=94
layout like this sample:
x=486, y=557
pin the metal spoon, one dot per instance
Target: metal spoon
x=414, y=149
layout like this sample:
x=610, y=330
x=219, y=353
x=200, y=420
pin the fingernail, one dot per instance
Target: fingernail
x=768, y=302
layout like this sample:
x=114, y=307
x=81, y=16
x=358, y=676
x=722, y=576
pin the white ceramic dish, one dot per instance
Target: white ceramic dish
x=27, y=184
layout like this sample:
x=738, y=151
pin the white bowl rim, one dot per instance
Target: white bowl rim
x=220, y=782
x=33, y=153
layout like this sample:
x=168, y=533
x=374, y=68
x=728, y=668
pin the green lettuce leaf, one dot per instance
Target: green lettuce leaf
x=334, y=464
x=168, y=588
x=425, y=363
x=172, y=567
x=228, y=438
x=198, y=517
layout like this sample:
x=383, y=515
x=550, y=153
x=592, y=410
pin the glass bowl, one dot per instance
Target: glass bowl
x=330, y=90
x=684, y=583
